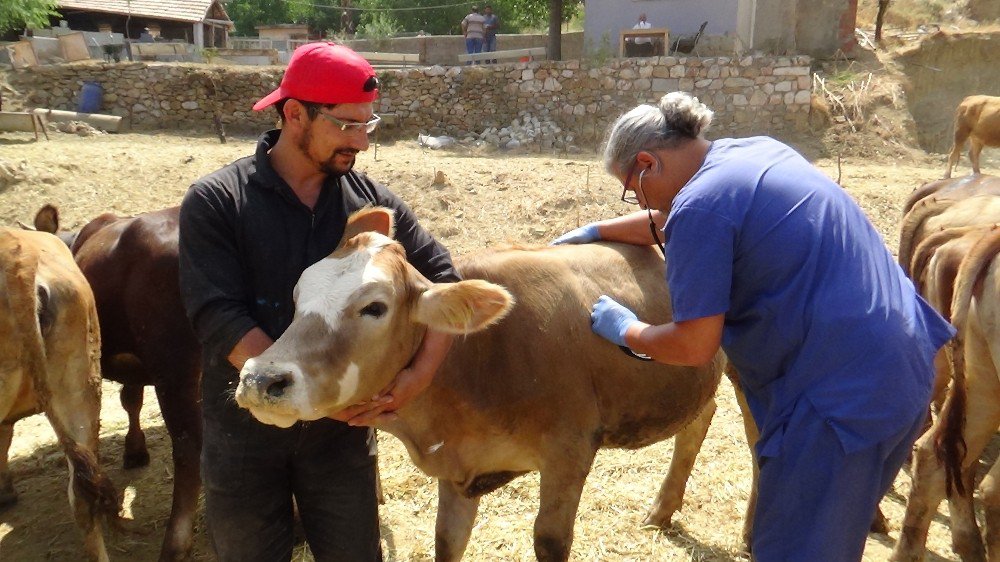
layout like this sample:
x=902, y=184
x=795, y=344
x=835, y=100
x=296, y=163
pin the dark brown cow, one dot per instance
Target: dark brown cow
x=131, y=263
x=49, y=363
x=977, y=120
x=536, y=392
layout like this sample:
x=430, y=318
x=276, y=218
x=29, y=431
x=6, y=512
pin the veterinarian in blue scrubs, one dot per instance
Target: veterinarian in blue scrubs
x=777, y=264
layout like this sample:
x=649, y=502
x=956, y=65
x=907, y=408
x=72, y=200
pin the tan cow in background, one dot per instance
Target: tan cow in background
x=49, y=362
x=977, y=120
x=537, y=391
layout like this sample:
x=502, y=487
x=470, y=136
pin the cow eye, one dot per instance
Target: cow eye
x=375, y=309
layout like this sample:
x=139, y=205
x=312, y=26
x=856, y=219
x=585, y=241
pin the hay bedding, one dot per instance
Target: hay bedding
x=478, y=199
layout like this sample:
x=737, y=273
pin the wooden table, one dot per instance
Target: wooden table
x=654, y=33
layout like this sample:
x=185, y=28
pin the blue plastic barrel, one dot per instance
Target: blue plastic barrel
x=90, y=98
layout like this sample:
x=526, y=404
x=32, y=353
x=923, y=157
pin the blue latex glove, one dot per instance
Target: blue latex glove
x=583, y=235
x=611, y=320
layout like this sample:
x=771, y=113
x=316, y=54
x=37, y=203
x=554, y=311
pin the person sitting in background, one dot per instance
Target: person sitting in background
x=643, y=45
x=145, y=36
x=472, y=29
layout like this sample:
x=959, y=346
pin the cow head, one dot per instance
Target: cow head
x=360, y=315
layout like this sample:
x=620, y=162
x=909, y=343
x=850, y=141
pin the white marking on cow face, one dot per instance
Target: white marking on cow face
x=326, y=286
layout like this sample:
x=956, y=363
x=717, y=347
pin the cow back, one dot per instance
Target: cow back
x=132, y=265
x=543, y=366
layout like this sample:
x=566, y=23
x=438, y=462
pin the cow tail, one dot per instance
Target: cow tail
x=92, y=485
x=912, y=222
x=950, y=446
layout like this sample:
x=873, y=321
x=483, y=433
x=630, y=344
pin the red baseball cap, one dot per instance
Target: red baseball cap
x=325, y=73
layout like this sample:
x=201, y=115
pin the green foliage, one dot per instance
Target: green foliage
x=378, y=28
x=599, y=55
x=19, y=14
x=248, y=14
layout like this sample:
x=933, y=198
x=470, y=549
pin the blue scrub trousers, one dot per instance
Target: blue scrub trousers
x=817, y=503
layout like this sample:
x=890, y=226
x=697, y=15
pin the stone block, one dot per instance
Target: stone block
x=665, y=85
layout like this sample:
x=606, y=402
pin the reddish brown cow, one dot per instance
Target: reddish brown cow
x=977, y=120
x=49, y=363
x=538, y=391
x=131, y=263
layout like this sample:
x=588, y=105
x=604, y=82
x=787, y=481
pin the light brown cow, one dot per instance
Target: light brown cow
x=946, y=456
x=947, y=204
x=49, y=362
x=977, y=120
x=538, y=391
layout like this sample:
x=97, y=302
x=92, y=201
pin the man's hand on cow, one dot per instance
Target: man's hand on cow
x=362, y=410
x=407, y=384
x=611, y=320
x=584, y=235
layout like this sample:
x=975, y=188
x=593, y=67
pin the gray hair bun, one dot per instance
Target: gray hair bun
x=684, y=114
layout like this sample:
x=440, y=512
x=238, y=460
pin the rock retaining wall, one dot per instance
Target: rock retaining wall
x=750, y=95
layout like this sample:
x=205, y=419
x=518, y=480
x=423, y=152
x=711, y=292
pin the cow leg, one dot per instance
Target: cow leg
x=687, y=443
x=965, y=538
x=953, y=157
x=136, y=454
x=975, y=147
x=561, y=485
x=928, y=487
x=178, y=397
x=455, y=518
x=927, y=490
x=8, y=496
x=990, y=487
x=753, y=435
x=74, y=413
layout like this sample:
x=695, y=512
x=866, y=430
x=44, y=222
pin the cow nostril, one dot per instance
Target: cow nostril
x=276, y=388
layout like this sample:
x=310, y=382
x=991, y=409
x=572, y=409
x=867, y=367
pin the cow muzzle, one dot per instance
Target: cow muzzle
x=264, y=384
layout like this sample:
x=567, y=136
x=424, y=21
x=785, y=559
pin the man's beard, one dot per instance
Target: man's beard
x=328, y=166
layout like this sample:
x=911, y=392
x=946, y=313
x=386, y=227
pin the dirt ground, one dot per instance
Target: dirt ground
x=487, y=198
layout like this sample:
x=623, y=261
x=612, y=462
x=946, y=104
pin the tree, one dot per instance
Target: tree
x=555, y=29
x=248, y=14
x=883, y=7
x=19, y=14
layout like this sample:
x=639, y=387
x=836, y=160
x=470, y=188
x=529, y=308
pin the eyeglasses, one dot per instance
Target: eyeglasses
x=366, y=126
x=626, y=198
x=634, y=200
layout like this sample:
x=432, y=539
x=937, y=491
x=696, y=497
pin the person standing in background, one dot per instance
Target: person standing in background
x=491, y=24
x=472, y=29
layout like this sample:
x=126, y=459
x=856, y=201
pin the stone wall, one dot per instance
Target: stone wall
x=751, y=95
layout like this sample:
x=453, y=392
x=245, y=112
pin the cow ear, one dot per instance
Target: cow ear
x=370, y=219
x=47, y=219
x=464, y=307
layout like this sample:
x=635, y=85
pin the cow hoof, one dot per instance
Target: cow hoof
x=879, y=525
x=136, y=460
x=660, y=522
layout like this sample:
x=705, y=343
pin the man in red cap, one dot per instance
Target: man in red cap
x=247, y=232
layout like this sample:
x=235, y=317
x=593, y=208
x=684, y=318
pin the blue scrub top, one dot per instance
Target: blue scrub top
x=815, y=306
